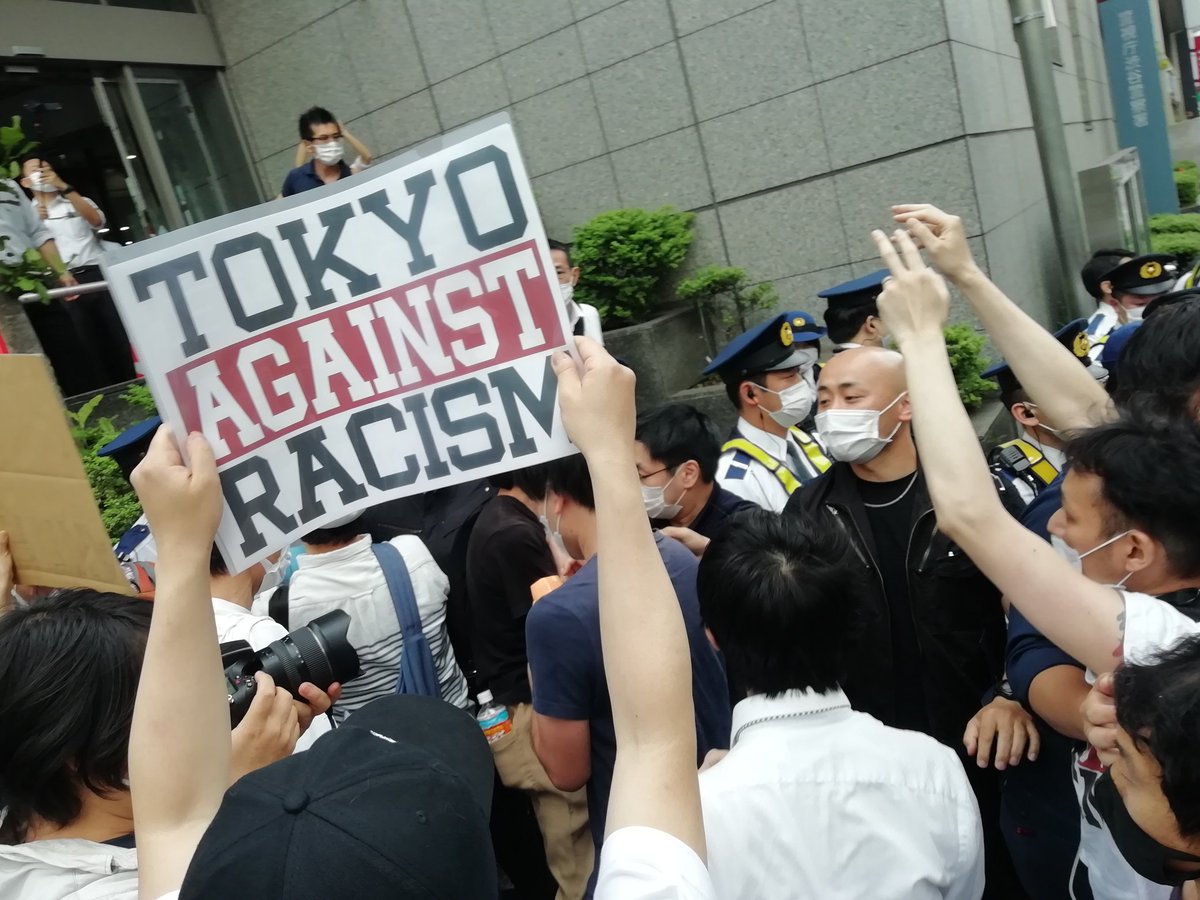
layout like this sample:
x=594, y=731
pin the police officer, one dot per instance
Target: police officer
x=1030, y=462
x=769, y=376
x=852, y=318
x=1126, y=290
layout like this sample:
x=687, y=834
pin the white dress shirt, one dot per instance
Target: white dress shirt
x=1099, y=325
x=816, y=800
x=77, y=240
x=753, y=481
x=350, y=579
x=643, y=863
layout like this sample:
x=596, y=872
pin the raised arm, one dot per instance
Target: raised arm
x=1080, y=616
x=179, y=746
x=1053, y=378
x=646, y=656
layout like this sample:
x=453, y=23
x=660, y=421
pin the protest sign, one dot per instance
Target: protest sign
x=382, y=336
x=46, y=503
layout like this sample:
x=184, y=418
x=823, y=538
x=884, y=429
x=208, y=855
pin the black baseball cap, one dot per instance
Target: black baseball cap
x=394, y=804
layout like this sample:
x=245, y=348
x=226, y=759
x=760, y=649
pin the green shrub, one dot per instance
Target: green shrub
x=965, y=348
x=725, y=298
x=30, y=272
x=1186, y=165
x=1185, y=246
x=1187, y=185
x=1182, y=223
x=625, y=256
x=118, y=503
x=139, y=397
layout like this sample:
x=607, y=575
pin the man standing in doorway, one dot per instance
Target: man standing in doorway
x=324, y=139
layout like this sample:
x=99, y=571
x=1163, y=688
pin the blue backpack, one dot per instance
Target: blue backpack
x=417, y=672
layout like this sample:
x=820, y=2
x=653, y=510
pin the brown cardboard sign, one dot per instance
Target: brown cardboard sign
x=46, y=503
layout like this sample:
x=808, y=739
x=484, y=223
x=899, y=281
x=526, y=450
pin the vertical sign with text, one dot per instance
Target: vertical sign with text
x=385, y=336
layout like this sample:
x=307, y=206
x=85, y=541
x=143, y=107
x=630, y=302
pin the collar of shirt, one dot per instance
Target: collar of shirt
x=573, y=313
x=1054, y=456
x=772, y=443
x=1103, y=320
x=360, y=546
x=762, y=712
x=76, y=854
x=849, y=345
x=230, y=608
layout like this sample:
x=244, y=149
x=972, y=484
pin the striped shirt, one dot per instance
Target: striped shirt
x=350, y=579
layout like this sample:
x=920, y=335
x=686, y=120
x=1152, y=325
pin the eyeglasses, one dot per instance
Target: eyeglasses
x=642, y=477
x=325, y=138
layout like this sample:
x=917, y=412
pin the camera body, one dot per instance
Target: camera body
x=319, y=652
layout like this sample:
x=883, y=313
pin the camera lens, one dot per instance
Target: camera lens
x=319, y=652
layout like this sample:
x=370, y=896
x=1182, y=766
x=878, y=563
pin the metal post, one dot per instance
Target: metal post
x=1057, y=171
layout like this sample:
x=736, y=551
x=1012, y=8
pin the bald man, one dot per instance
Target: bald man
x=930, y=640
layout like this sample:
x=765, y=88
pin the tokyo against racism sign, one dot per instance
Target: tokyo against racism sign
x=387, y=335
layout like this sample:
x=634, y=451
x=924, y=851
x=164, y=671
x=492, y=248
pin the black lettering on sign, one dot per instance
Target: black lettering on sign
x=326, y=260
x=468, y=387
x=317, y=465
x=250, y=243
x=169, y=273
x=416, y=404
x=502, y=234
x=418, y=186
x=512, y=387
x=244, y=509
x=362, y=449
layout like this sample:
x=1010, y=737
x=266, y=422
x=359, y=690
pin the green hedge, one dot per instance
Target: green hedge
x=1186, y=165
x=1185, y=246
x=1187, y=185
x=964, y=346
x=1181, y=223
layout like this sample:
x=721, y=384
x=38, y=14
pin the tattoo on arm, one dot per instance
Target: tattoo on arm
x=1119, y=650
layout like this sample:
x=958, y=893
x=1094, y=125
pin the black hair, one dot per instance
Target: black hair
x=216, y=563
x=843, y=320
x=316, y=115
x=336, y=534
x=779, y=594
x=69, y=669
x=531, y=480
x=1160, y=365
x=1101, y=263
x=1147, y=467
x=570, y=477
x=675, y=433
x=1158, y=703
x=559, y=245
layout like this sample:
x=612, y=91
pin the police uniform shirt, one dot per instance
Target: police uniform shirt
x=1102, y=321
x=740, y=474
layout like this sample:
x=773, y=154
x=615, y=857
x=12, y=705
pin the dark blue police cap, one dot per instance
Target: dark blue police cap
x=1073, y=336
x=1117, y=339
x=768, y=347
x=1144, y=276
x=859, y=291
x=131, y=437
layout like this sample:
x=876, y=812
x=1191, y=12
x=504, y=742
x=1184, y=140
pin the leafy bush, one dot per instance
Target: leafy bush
x=139, y=397
x=625, y=256
x=1182, y=223
x=118, y=503
x=1186, y=165
x=1184, y=246
x=965, y=348
x=31, y=272
x=1187, y=185
x=724, y=297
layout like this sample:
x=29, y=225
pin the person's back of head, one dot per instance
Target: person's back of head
x=336, y=534
x=1160, y=363
x=675, y=433
x=569, y=478
x=69, y=669
x=530, y=481
x=1099, y=265
x=779, y=595
x=843, y=320
x=1146, y=466
x=313, y=116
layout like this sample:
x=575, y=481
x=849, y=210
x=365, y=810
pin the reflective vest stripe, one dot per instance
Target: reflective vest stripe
x=812, y=450
x=1041, y=466
x=785, y=476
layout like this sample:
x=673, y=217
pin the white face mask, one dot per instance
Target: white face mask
x=1133, y=313
x=1075, y=558
x=39, y=183
x=273, y=571
x=852, y=435
x=330, y=152
x=567, y=293
x=795, y=401
x=554, y=535
x=655, y=501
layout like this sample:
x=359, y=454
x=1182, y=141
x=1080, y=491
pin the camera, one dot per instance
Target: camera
x=319, y=652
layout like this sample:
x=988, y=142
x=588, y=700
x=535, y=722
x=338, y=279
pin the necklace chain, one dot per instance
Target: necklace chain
x=903, y=494
x=791, y=715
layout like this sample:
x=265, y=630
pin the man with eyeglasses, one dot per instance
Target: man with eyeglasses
x=324, y=139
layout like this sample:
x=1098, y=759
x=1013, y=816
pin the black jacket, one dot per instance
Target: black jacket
x=957, y=614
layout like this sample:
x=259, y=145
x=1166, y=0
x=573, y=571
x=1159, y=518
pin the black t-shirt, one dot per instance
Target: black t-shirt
x=891, y=526
x=507, y=553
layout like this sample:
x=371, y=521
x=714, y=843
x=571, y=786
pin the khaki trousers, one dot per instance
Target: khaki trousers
x=562, y=816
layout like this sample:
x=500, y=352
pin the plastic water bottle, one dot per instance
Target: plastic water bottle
x=493, y=718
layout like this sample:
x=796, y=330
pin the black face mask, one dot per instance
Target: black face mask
x=1145, y=855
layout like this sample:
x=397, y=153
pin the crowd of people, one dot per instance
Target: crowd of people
x=840, y=652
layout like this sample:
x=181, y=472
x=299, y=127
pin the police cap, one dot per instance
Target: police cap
x=857, y=292
x=1073, y=336
x=128, y=447
x=1144, y=276
x=767, y=347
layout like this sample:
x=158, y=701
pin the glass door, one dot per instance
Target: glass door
x=151, y=218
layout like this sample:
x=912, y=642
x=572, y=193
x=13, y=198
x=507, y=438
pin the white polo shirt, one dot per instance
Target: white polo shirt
x=817, y=800
x=77, y=240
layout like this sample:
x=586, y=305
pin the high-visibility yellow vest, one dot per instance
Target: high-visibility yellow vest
x=776, y=467
x=1041, y=467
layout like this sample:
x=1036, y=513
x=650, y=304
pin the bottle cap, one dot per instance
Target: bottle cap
x=485, y=697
